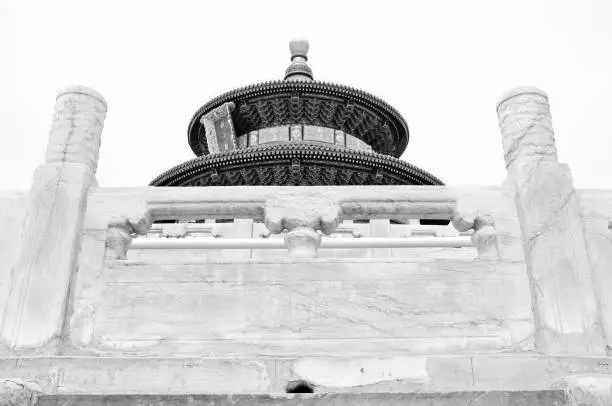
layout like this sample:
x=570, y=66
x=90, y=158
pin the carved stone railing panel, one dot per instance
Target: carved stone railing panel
x=485, y=214
x=320, y=209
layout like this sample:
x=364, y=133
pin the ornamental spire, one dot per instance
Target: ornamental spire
x=299, y=69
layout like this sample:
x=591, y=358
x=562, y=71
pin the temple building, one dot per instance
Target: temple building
x=298, y=132
x=296, y=260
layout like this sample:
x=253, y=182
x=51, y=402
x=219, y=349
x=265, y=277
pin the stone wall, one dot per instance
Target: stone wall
x=307, y=308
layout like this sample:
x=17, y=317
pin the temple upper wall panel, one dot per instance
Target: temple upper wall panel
x=302, y=133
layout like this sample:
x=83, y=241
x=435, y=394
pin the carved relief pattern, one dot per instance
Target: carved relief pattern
x=76, y=129
x=525, y=122
x=304, y=218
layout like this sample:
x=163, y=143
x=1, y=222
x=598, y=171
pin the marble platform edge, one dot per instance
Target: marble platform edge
x=113, y=262
x=498, y=398
x=385, y=374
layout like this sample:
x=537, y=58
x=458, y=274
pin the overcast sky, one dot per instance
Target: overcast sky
x=442, y=64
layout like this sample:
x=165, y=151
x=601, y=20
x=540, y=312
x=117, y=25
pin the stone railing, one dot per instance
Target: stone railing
x=536, y=227
x=302, y=215
x=362, y=239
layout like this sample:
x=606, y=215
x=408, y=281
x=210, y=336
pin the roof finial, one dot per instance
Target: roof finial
x=299, y=69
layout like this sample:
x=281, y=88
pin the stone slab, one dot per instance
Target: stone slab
x=302, y=308
x=549, y=398
x=200, y=375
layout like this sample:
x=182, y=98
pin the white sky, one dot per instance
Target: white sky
x=442, y=64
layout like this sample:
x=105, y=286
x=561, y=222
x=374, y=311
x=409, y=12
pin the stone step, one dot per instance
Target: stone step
x=497, y=398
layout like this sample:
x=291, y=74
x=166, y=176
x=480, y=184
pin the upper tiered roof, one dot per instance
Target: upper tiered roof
x=299, y=99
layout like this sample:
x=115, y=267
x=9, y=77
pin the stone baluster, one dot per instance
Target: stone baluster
x=566, y=313
x=52, y=231
x=304, y=218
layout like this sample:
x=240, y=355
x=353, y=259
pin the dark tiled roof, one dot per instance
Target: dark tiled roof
x=295, y=163
x=278, y=103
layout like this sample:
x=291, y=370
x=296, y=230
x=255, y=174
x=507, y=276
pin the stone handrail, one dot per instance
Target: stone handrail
x=304, y=214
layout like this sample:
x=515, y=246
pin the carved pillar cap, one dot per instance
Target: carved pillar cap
x=520, y=91
x=76, y=128
x=78, y=89
x=526, y=126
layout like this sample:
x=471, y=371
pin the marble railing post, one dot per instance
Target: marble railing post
x=39, y=286
x=565, y=308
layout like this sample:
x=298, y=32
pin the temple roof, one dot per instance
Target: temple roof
x=301, y=100
x=296, y=164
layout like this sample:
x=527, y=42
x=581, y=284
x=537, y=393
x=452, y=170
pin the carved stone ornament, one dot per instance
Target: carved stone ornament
x=484, y=237
x=304, y=218
x=120, y=233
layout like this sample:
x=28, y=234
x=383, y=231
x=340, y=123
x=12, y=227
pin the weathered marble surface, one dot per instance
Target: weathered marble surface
x=17, y=392
x=565, y=307
x=588, y=389
x=550, y=398
x=249, y=202
x=138, y=205
x=189, y=375
x=596, y=208
x=12, y=211
x=128, y=211
x=295, y=308
x=39, y=285
x=47, y=256
x=76, y=129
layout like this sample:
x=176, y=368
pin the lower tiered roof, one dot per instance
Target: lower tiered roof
x=297, y=164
